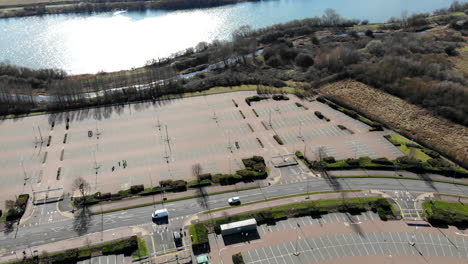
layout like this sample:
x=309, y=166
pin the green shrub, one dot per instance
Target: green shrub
x=22, y=200
x=199, y=233
x=431, y=153
x=196, y=183
x=321, y=99
x=179, y=186
x=106, y=196
x=14, y=214
x=246, y=175
x=439, y=163
x=228, y=179
x=329, y=159
x=405, y=160
x=342, y=127
x=238, y=258
x=280, y=97
x=124, y=193
x=299, y=155
x=150, y=191
x=116, y=196
x=278, y=139
x=166, y=183
x=126, y=246
x=299, y=104
x=383, y=161
x=318, y=114
x=134, y=189
x=353, y=162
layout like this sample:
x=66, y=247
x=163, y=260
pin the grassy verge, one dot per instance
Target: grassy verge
x=126, y=246
x=402, y=178
x=279, y=198
x=446, y=213
x=383, y=207
x=453, y=195
x=142, y=249
x=309, y=208
x=171, y=200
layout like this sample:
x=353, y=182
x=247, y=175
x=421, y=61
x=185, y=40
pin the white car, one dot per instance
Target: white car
x=158, y=214
x=234, y=201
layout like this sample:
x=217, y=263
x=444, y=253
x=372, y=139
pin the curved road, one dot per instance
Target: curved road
x=47, y=233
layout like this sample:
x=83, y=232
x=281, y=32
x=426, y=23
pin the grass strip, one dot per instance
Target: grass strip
x=171, y=200
x=278, y=198
x=446, y=213
x=453, y=195
x=401, y=177
x=142, y=249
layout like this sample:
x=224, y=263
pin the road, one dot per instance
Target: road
x=180, y=211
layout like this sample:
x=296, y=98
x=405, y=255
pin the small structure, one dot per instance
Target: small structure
x=237, y=227
x=202, y=259
x=284, y=160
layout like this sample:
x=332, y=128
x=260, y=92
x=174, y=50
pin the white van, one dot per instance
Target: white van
x=162, y=213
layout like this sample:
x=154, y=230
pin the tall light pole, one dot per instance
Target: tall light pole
x=151, y=181
x=296, y=253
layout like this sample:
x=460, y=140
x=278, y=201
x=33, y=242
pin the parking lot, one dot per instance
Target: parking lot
x=344, y=245
x=163, y=140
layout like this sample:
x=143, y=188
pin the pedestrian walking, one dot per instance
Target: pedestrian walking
x=113, y=168
x=119, y=163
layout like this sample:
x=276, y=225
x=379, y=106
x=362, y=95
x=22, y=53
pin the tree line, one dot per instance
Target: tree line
x=90, y=6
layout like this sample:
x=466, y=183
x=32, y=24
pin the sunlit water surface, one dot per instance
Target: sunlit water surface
x=88, y=43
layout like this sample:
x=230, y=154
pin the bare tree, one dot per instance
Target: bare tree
x=331, y=17
x=82, y=186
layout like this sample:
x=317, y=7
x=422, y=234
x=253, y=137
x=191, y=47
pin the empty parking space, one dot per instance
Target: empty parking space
x=325, y=248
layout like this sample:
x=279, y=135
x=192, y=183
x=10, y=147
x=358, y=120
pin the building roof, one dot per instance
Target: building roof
x=233, y=225
x=202, y=259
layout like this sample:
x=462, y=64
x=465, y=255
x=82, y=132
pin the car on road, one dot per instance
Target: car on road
x=234, y=201
x=177, y=238
x=159, y=214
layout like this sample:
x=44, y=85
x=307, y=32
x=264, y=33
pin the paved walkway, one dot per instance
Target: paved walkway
x=82, y=241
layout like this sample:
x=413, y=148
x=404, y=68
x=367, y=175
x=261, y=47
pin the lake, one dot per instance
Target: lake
x=89, y=43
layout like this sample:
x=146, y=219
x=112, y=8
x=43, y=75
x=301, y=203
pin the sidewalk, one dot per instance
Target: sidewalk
x=263, y=205
x=90, y=239
x=158, y=197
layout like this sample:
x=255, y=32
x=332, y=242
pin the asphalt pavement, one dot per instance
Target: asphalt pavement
x=180, y=211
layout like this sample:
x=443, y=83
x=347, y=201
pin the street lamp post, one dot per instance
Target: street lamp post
x=296, y=253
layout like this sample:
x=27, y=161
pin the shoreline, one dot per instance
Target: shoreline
x=78, y=7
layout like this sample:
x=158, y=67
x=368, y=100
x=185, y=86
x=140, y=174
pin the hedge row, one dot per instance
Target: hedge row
x=255, y=169
x=318, y=208
x=375, y=126
x=254, y=98
x=165, y=186
x=278, y=139
x=446, y=213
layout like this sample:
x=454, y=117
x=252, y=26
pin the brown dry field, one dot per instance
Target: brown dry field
x=410, y=119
